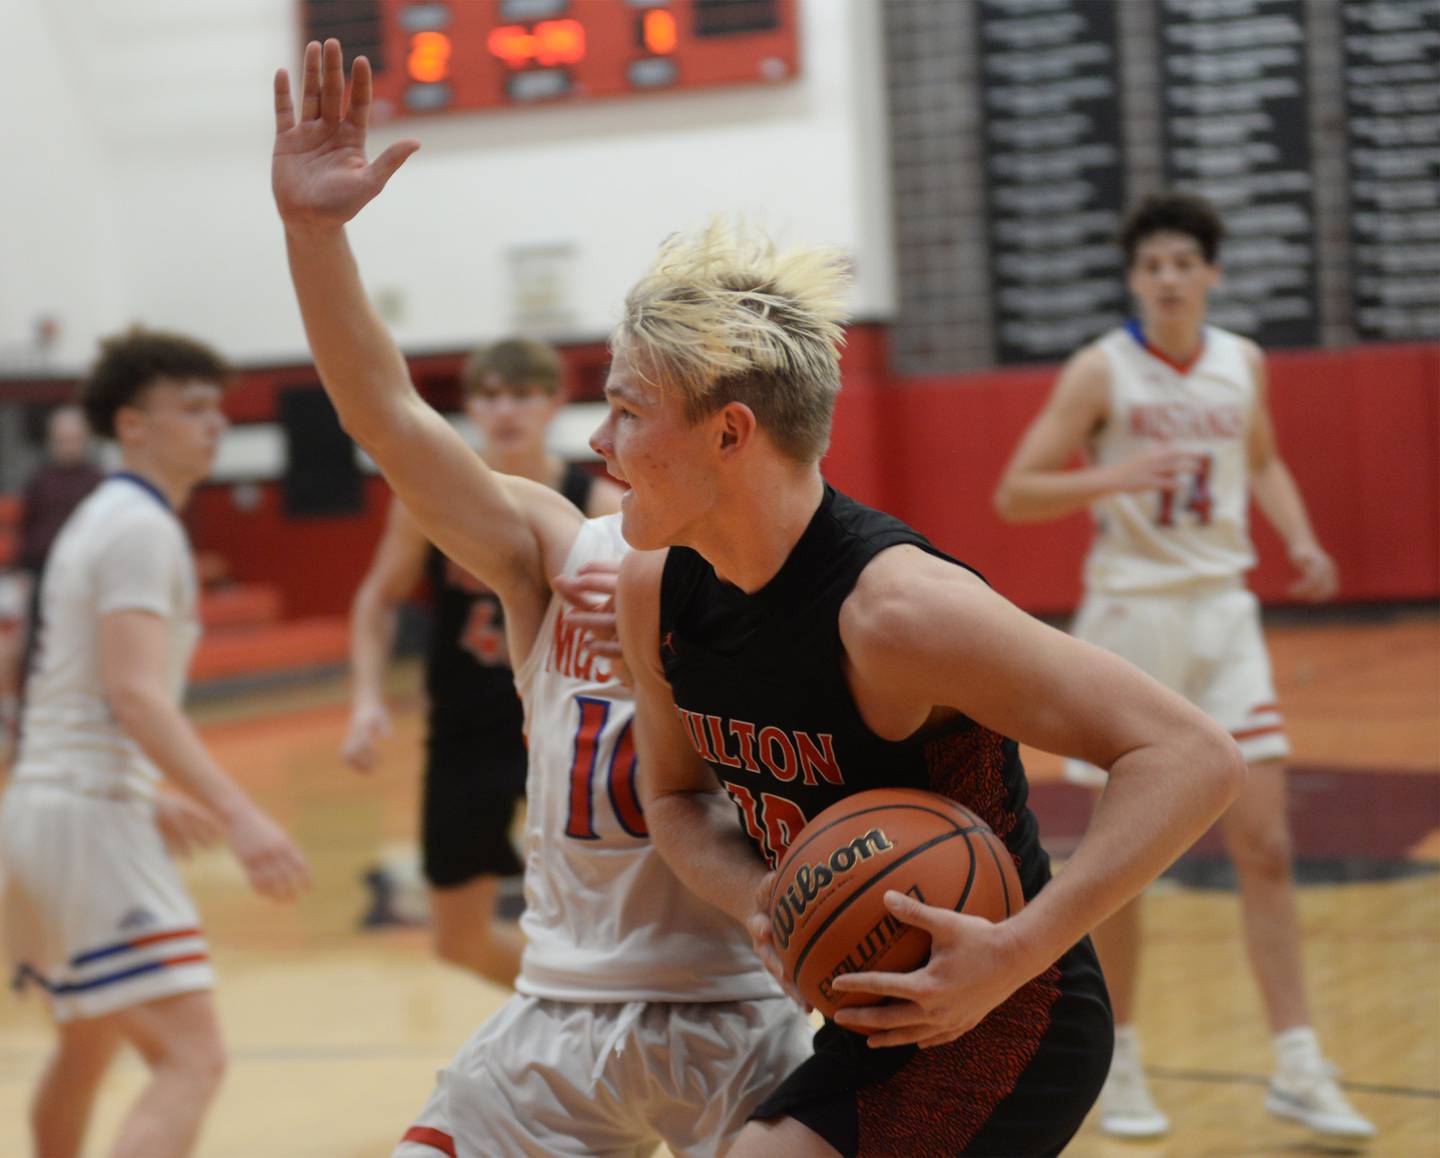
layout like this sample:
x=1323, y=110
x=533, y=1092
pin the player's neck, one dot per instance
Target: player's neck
x=1179, y=340
x=532, y=462
x=748, y=540
x=176, y=491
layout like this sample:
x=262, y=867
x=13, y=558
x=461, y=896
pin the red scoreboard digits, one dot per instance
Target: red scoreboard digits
x=434, y=56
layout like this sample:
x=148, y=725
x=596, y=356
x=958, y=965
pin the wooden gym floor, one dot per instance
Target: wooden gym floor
x=335, y=1034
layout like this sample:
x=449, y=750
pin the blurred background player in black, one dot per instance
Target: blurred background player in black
x=475, y=750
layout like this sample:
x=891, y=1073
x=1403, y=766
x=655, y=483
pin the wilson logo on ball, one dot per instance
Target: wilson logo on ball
x=810, y=881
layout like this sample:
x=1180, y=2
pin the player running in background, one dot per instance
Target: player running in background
x=1172, y=415
x=793, y=647
x=474, y=742
x=640, y=1014
x=94, y=910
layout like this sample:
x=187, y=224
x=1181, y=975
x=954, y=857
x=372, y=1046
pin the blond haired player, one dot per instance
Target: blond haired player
x=94, y=910
x=639, y=1014
x=792, y=647
x=1173, y=416
x=475, y=756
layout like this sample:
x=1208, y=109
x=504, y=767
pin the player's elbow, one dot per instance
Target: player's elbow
x=1218, y=758
x=134, y=704
x=1009, y=503
x=1003, y=501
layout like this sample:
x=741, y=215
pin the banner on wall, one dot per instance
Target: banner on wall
x=1054, y=173
x=1235, y=128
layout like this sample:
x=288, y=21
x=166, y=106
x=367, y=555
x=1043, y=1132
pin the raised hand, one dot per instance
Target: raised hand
x=318, y=171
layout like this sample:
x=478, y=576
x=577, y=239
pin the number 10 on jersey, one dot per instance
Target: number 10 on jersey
x=587, y=764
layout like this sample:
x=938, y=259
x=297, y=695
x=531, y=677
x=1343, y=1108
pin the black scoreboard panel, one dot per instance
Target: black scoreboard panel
x=1054, y=173
x=435, y=56
x=1392, y=104
x=1235, y=128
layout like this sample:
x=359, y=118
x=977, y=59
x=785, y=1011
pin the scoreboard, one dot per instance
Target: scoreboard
x=437, y=56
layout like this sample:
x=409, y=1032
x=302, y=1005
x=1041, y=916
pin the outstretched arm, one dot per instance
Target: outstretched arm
x=502, y=530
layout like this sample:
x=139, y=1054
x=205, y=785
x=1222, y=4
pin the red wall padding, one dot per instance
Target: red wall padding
x=1360, y=429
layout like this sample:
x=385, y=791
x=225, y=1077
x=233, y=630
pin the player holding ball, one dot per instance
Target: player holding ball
x=793, y=648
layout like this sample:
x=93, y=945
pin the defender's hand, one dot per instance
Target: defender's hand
x=591, y=593
x=369, y=725
x=318, y=170
x=972, y=969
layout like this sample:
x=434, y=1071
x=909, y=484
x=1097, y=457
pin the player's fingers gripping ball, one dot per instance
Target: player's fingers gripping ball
x=827, y=905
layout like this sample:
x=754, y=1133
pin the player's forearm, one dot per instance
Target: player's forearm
x=163, y=733
x=1036, y=495
x=360, y=366
x=1160, y=799
x=372, y=638
x=696, y=834
x=1280, y=501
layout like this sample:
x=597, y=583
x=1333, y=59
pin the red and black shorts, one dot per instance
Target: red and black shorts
x=1019, y=1084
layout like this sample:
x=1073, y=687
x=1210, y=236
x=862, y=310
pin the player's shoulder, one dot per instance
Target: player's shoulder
x=641, y=572
x=899, y=594
x=1085, y=380
x=117, y=508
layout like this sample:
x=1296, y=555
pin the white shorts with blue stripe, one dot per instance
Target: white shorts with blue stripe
x=94, y=910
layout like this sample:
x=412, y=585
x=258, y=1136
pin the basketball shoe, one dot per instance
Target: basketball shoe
x=1126, y=1108
x=1304, y=1089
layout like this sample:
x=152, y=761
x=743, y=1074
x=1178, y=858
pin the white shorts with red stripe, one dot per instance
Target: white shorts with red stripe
x=94, y=910
x=1204, y=643
x=543, y=1079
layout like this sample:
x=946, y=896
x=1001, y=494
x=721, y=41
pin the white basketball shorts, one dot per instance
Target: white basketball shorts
x=1204, y=643
x=547, y=1078
x=94, y=910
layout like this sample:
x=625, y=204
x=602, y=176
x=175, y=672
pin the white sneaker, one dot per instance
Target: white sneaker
x=1126, y=1108
x=1315, y=1100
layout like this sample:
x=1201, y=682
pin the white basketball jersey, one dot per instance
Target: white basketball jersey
x=121, y=550
x=1162, y=540
x=605, y=919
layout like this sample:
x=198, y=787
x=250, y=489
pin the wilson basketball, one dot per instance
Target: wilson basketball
x=827, y=906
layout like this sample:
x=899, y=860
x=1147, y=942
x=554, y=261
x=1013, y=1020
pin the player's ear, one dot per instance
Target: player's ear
x=737, y=427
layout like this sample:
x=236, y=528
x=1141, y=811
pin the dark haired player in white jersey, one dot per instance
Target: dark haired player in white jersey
x=94, y=911
x=639, y=1013
x=792, y=647
x=474, y=744
x=1173, y=416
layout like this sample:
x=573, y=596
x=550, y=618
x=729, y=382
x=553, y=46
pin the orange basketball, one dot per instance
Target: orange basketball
x=827, y=907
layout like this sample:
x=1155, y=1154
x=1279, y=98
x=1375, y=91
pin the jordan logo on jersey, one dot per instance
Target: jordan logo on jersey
x=742, y=744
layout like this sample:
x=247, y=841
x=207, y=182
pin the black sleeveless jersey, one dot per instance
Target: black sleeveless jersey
x=468, y=680
x=759, y=681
